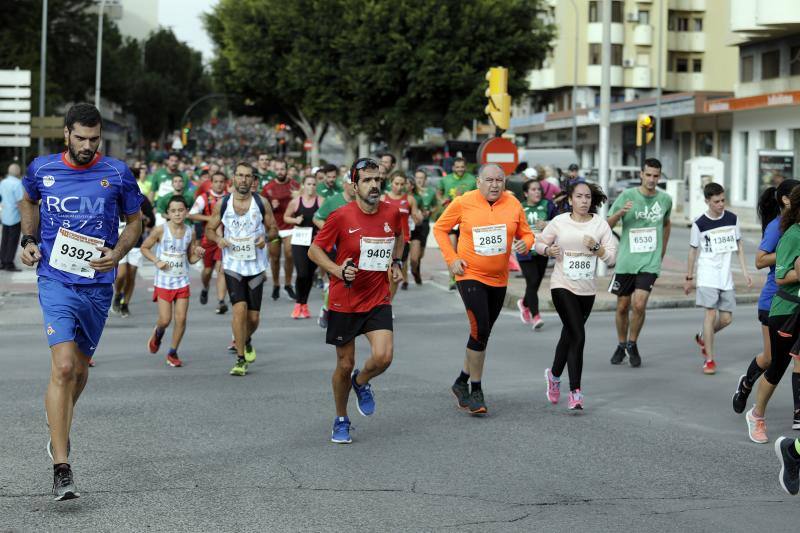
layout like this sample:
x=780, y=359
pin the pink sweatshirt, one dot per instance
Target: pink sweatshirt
x=568, y=234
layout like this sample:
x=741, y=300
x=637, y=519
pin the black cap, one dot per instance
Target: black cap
x=573, y=166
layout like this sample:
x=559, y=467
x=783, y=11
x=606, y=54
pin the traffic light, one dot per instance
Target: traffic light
x=644, y=129
x=185, y=133
x=499, y=106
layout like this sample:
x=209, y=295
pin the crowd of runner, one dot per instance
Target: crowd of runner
x=360, y=233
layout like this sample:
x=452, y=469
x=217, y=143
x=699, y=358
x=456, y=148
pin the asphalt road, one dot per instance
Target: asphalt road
x=193, y=449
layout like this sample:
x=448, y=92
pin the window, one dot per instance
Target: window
x=616, y=11
x=594, y=16
x=681, y=64
x=747, y=69
x=616, y=54
x=594, y=54
x=794, y=61
x=697, y=24
x=683, y=23
x=768, y=139
x=704, y=144
x=796, y=146
x=743, y=153
x=644, y=17
x=670, y=61
x=596, y=58
x=697, y=65
x=770, y=64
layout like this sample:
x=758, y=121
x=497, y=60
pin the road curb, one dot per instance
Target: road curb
x=654, y=302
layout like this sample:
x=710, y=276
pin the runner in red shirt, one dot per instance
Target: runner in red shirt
x=280, y=192
x=201, y=211
x=367, y=235
x=398, y=197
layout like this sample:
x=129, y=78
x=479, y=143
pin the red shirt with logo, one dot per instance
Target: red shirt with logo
x=405, y=211
x=344, y=229
x=282, y=192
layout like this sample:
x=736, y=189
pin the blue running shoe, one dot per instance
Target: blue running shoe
x=341, y=430
x=366, y=400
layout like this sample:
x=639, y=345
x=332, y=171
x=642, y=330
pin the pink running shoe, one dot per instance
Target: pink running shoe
x=296, y=311
x=304, y=312
x=553, y=386
x=756, y=427
x=524, y=313
x=575, y=400
x=537, y=322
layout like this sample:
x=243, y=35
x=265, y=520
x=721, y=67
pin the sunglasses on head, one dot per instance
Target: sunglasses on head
x=361, y=164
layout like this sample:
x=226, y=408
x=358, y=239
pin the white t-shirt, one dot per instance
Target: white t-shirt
x=717, y=240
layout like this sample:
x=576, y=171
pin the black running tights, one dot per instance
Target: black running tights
x=573, y=310
x=533, y=271
x=305, y=268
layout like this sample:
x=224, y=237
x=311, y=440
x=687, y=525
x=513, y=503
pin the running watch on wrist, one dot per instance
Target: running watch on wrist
x=595, y=247
x=398, y=262
x=28, y=239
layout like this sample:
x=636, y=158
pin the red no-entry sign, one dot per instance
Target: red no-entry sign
x=308, y=145
x=499, y=151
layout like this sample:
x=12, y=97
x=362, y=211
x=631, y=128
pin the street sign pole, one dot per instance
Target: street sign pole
x=99, y=54
x=605, y=111
x=43, y=70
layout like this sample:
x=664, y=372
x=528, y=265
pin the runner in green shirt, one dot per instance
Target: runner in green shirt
x=263, y=173
x=452, y=185
x=328, y=186
x=644, y=212
x=538, y=210
x=161, y=179
x=426, y=203
x=178, y=189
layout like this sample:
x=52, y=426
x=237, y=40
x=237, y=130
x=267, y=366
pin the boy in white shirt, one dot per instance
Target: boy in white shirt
x=715, y=236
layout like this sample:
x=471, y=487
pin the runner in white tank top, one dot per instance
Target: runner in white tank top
x=175, y=248
x=248, y=225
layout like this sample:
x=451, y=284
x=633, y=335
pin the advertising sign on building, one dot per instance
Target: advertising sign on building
x=771, y=164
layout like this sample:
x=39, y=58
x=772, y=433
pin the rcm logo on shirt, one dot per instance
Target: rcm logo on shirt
x=75, y=204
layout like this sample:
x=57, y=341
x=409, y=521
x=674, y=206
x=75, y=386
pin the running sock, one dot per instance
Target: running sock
x=622, y=345
x=754, y=372
x=240, y=359
x=796, y=390
x=160, y=332
x=476, y=385
x=462, y=378
x=221, y=302
x=172, y=351
x=794, y=451
x=630, y=344
x=59, y=467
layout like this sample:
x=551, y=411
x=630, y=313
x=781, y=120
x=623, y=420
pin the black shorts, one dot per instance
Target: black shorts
x=763, y=317
x=421, y=232
x=245, y=289
x=625, y=284
x=344, y=327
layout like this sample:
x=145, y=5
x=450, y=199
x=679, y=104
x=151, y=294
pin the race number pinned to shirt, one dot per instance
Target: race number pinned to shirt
x=642, y=240
x=301, y=236
x=176, y=264
x=376, y=253
x=411, y=224
x=579, y=265
x=490, y=240
x=72, y=252
x=243, y=248
x=722, y=240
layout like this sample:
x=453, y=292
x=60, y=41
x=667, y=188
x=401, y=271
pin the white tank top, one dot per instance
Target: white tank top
x=173, y=251
x=241, y=232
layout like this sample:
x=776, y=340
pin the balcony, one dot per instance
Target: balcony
x=643, y=35
x=776, y=85
x=594, y=33
x=684, y=81
x=594, y=75
x=773, y=13
x=686, y=41
x=640, y=77
x=688, y=5
x=541, y=79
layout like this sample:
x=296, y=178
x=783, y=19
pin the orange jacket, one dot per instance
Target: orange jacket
x=471, y=211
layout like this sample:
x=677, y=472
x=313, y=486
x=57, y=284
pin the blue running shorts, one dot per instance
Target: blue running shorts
x=74, y=312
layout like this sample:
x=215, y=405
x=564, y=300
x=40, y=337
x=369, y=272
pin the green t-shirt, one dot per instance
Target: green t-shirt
x=264, y=178
x=163, y=202
x=535, y=213
x=161, y=182
x=427, y=200
x=330, y=205
x=648, y=212
x=452, y=186
x=325, y=191
x=788, y=250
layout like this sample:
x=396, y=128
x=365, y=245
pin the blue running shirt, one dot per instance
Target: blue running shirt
x=85, y=200
x=769, y=243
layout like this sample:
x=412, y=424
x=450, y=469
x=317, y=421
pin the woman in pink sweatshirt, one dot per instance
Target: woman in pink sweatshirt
x=576, y=240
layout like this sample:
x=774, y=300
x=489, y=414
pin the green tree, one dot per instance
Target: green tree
x=389, y=68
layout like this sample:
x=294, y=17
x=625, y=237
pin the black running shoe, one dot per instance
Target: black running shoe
x=796, y=419
x=222, y=308
x=417, y=276
x=789, y=476
x=204, y=297
x=634, y=358
x=461, y=392
x=124, y=312
x=740, y=396
x=619, y=356
x=290, y=291
x=276, y=292
x=63, y=486
x=404, y=286
x=476, y=404
x=115, y=303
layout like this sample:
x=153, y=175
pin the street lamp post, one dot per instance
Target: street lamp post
x=575, y=83
x=43, y=69
x=99, y=53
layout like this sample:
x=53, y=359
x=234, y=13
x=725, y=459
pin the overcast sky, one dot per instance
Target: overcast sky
x=183, y=16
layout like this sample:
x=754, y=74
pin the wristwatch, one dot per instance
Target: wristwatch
x=28, y=239
x=398, y=262
x=595, y=247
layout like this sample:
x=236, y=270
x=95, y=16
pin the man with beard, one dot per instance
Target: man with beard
x=161, y=180
x=368, y=238
x=80, y=195
x=279, y=192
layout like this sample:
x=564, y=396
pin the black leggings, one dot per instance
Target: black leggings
x=573, y=310
x=483, y=303
x=533, y=271
x=780, y=347
x=305, y=269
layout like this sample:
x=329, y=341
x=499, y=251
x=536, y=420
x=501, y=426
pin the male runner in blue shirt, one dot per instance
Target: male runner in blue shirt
x=80, y=195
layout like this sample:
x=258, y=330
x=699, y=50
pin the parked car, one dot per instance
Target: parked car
x=435, y=174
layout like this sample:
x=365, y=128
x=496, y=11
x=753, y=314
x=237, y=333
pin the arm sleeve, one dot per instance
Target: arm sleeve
x=546, y=238
x=785, y=256
x=617, y=205
x=669, y=209
x=738, y=231
x=694, y=236
x=450, y=217
x=323, y=212
x=131, y=195
x=609, y=243
x=30, y=185
x=771, y=237
x=329, y=234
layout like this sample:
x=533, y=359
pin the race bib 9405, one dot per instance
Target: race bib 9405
x=376, y=253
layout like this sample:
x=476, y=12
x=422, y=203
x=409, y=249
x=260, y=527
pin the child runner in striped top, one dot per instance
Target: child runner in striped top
x=175, y=248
